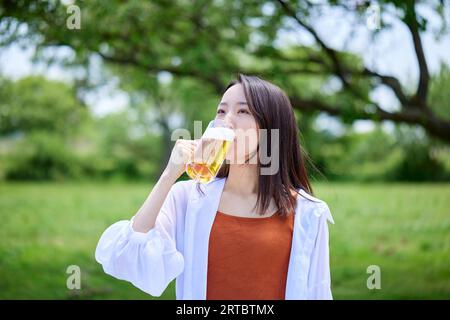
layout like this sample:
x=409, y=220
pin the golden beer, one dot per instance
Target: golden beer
x=210, y=154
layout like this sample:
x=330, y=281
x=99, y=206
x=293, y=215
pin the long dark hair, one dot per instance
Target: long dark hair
x=272, y=110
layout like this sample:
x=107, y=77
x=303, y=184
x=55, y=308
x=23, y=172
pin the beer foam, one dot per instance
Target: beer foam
x=219, y=133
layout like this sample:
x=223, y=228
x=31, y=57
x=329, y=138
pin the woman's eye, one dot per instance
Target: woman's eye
x=244, y=111
x=220, y=111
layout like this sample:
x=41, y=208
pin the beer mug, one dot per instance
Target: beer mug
x=210, y=151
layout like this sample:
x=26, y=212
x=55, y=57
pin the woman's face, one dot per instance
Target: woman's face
x=233, y=108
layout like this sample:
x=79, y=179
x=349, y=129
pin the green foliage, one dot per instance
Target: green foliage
x=37, y=118
x=209, y=41
x=404, y=155
x=36, y=103
x=47, y=135
x=41, y=156
x=440, y=93
x=121, y=149
x=199, y=49
x=418, y=161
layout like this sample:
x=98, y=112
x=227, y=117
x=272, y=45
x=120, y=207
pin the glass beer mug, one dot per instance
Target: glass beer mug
x=210, y=151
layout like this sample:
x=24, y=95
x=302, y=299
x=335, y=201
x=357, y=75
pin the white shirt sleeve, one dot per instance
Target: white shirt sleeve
x=150, y=261
x=319, y=280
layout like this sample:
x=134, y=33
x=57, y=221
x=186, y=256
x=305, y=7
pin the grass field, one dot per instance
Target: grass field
x=402, y=228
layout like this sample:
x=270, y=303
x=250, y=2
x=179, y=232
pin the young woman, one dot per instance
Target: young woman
x=243, y=235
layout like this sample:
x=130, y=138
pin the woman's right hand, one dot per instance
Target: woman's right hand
x=182, y=153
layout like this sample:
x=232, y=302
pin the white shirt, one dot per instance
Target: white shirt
x=177, y=246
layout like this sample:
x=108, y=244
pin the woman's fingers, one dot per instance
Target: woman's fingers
x=188, y=152
x=187, y=142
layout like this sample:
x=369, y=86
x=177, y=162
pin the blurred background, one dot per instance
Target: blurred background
x=90, y=92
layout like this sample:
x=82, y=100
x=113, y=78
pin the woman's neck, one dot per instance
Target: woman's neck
x=242, y=179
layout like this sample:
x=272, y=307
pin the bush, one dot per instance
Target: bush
x=41, y=156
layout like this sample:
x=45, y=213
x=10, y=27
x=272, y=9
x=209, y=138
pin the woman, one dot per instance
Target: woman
x=244, y=235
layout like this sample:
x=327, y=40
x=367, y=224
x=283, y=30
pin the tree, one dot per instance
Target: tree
x=210, y=40
x=38, y=119
x=35, y=103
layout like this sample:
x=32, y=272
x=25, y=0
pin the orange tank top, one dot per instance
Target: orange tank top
x=248, y=258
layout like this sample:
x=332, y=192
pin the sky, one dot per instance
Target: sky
x=389, y=53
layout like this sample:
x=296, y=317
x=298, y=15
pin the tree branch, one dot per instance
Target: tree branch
x=414, y=110
x=390, y=82
x=437, y=127
x=424, y=77
x=331, y=53
x=215, y=82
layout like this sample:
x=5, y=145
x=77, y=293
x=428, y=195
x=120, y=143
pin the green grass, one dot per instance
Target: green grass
x=403, y=228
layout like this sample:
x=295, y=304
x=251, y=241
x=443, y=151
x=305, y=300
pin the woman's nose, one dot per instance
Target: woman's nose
x=229, y=120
